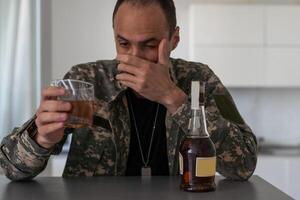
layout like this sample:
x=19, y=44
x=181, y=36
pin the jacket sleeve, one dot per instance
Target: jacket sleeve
x=21, y=157
x=236, y=145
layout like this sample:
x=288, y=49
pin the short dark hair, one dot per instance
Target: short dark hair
x=167, y=6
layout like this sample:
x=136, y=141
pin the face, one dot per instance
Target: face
x=138, y=31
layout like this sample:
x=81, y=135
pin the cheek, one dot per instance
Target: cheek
x=120, y=50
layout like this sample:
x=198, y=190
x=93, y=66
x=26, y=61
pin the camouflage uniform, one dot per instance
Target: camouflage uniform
x=103, y=149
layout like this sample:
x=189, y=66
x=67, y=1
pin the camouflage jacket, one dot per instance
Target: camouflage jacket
x=103, y=149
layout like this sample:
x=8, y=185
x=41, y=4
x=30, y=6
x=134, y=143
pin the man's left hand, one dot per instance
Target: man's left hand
x=151, y=80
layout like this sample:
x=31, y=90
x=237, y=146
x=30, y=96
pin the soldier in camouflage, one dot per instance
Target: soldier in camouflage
x=143, y=64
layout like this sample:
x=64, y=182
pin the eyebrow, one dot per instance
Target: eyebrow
x=144, y=42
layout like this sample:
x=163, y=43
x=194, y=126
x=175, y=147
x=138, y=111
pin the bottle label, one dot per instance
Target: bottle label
x=205, y=166
x=180, y=164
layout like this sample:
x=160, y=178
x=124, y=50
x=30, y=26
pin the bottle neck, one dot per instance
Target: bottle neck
x=197, y=125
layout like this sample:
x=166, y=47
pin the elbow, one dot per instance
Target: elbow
x=12, y=172
x=240, y=170
x=17, y=175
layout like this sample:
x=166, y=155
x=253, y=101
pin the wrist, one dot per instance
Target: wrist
x=40, y=141
x=174, y=99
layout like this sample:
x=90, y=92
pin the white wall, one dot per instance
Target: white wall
x=271, y=113
x=81, y=32
x=260, y=43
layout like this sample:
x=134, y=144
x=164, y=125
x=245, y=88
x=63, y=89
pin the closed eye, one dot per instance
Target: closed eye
x=152, y=43
x=151, y=46
x=123, y=44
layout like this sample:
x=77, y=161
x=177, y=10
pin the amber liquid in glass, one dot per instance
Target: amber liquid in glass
x=81, y=114
x=193, y=147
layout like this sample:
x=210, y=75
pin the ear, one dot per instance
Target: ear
x=175, y=38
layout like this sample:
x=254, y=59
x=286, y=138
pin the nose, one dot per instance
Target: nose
x=137, y=51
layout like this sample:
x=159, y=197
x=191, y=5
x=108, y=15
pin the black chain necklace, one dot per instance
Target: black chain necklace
x=146, y=169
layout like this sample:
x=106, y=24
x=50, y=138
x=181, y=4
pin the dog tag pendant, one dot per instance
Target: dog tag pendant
x=146, y=171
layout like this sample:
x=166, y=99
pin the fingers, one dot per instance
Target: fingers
x=50, y=128
x=51, y=117
x=127, y=77
x=52, y=92
x=51, y=111
x=122, y=67
x=55, y=106
x=163, y=55
x=129, y=84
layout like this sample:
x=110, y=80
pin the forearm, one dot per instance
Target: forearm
x=236, y=150
x=234, y=141
x=174, y=99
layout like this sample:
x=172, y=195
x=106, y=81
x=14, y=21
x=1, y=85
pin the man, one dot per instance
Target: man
x=142, y=111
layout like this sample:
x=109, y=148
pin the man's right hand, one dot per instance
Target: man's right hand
x=51, y=117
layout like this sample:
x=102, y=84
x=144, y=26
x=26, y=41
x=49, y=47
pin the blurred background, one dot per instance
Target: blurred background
x=252, y=45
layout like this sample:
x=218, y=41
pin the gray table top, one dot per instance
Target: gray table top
x=161, y=188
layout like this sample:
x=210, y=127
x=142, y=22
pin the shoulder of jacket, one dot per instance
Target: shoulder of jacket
x=198, y=70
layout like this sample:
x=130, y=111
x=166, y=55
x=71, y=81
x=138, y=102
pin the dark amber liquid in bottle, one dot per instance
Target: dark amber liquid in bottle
x=191, y=148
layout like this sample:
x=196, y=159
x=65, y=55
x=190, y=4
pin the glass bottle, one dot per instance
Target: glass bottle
x=197, y=154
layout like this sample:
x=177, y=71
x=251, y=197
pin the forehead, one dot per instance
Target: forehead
x=136, y=23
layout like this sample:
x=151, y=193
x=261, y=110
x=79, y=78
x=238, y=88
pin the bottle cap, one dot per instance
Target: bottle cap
x=195, y=95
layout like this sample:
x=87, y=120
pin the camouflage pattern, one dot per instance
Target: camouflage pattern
x=103, y=149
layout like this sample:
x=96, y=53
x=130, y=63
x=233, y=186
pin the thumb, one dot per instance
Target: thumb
x=163, y=55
